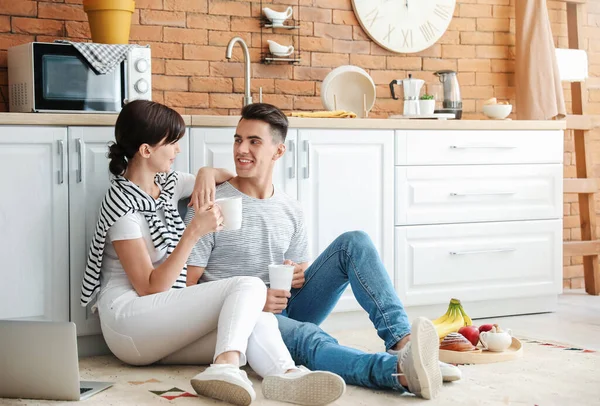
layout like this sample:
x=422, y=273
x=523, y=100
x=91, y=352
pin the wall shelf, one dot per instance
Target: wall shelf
x=266, y=57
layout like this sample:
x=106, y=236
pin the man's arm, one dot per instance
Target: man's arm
x=194, y=273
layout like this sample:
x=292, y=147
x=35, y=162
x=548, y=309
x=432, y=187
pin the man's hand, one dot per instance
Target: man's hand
x=298, y=279
x=277, y=300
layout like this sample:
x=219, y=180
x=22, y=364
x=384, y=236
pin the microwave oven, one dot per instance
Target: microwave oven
x=55, y=77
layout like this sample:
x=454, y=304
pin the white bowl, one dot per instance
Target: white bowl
x=497, y=111
x=350, y=84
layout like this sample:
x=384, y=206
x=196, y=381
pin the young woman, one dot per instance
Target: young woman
x=137, y=264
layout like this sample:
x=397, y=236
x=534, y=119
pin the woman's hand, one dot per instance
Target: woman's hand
x=204, y=189
x=207, y=219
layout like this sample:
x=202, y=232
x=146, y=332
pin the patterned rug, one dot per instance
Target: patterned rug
x=547, y=374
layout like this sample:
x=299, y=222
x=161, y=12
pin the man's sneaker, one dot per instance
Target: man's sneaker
x=304, y=387
x=450, y=373
x=224, y=382
x=418, y=360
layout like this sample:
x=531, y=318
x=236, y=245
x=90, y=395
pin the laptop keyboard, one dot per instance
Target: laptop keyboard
x=84, y=390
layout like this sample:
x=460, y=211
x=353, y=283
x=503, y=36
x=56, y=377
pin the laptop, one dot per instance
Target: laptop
x=38, y=360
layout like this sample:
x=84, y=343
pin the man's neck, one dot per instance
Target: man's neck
x=256, y=188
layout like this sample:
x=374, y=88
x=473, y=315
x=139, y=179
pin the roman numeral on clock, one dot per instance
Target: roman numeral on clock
x=372, y=16
x=407, y=39
x=442, y=11
x=389, y=34
x=428, y=30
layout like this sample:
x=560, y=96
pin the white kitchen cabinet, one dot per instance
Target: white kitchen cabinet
x=214, y=147
x=34, y=210
x=89, y=179
x=346, y=183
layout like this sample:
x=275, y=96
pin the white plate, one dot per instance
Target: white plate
x=349, y=84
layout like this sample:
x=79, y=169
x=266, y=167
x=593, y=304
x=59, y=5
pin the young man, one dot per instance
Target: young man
x=273, y=231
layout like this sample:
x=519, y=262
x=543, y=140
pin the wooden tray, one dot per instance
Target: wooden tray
x=483, y=357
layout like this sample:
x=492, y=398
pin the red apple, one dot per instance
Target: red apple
x=471, y=333
x=485, y=327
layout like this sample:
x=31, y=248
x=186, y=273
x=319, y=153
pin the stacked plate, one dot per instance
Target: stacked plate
x=348, y=88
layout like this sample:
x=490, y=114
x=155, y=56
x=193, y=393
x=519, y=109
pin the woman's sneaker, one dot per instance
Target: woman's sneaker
x=225, y=382
x=450, y=373
x=304, y=387
x=418, y=360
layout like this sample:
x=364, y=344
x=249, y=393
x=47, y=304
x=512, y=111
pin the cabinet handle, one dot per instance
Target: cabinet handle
x=307, y=167
x=79, y=145
x=482, y=251
x=61, y=152
x=293, y=152
x=482, y=146
x=482, y=193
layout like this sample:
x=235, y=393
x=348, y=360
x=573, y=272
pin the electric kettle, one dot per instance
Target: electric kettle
x=452, y=102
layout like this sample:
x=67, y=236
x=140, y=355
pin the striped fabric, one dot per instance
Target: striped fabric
x=124, y=198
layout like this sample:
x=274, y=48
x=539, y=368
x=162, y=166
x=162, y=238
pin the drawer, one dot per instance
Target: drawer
x=484, y=261
x=467, y=193
x=478, y=147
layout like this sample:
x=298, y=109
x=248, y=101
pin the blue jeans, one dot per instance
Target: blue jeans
x=351, y=258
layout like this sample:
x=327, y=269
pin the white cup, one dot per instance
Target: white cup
x=231, y=208
x=280, y=276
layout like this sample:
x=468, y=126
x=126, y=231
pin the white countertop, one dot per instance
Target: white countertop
x=329, y=123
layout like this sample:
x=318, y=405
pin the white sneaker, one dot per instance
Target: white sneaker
x=418, y=360
x=224, y=382
x=450, y=373
x=304, y=387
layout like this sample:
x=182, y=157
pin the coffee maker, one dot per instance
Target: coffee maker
x=452, y=102
x=411, y=89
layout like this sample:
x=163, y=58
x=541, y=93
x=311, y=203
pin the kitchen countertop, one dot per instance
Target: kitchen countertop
x=329, y=123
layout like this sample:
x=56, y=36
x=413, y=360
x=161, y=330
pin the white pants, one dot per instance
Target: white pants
x=195, y=325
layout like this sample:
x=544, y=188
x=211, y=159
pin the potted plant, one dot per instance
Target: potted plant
x=110, y=20
x=427, y=104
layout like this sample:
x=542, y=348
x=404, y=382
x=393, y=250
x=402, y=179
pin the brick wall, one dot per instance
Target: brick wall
x=188, y=40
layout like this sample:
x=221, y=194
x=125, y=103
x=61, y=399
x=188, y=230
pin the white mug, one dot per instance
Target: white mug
x=496, y=342
x=280, y=276
x=231, y=208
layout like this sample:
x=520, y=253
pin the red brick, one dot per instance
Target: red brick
x=229, y=8
x=207, y=112
x=215, y=23
x=359, y=34
x=155, y=4
x=282, y=101
x=458, y=51
x=504, y=38
x=146, y=33
x=61, y=12
x=308, y=103
x=435, y=64
x=383, y=77
x=577, y=283
x=466, y=78
x=268, y=85
x=22, y=25
x=271, y=71
x=503, y=12
x=477, y=92
x=404, y=62
x=196, y=6
x=328, y=60
x=186, y=68
x=333, y=31
x=223, y=37
x=450, y=37
x=165, y=18
x=11, y=40
x=19, y=7
x=477, y=38
x=205, y=53
x=226, y=101
x=492, y=51
x=313, y=14
x=158, y=66
x=76, y=29
x=186, y=35
x=227, y=69
x=493, y=24
x=434, y=51
x=344, y=17
x=463, y=24
x=245, y=24
x=475, y=10
x=186, y=99
x=309, y=73
x=333, y=4
x=166, y=50
x=494, y=79
x=169, y=83
x=341, y=46
x=302, y=88
x=503, y=66
x=210, y=85
x=4, y=24
x=316, y=44
x=368, y=61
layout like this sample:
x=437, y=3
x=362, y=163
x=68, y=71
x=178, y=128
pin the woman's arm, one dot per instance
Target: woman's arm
x=134, y=257
x=205, y=186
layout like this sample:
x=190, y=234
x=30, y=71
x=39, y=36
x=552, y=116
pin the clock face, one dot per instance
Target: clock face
x=404, y=25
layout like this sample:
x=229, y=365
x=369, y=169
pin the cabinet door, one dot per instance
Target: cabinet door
x=346, y=183
x=34, y=243
x=214, y=147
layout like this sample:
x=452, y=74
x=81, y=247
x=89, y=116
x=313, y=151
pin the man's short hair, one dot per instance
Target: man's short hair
x=269, y=114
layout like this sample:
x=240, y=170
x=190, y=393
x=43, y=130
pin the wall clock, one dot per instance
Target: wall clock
x=404, y=25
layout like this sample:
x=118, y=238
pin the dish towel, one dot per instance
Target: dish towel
x=103, y=58
x=324, y=114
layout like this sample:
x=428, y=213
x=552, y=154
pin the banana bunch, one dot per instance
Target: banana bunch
x=453, y=320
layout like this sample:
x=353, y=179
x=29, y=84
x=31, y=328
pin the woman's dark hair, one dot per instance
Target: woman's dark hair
x=142, y=122
x=269, y=114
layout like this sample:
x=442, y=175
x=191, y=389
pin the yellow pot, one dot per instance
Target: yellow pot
x=110, y=20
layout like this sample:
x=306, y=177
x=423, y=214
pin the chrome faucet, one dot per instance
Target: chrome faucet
x=234, y=40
